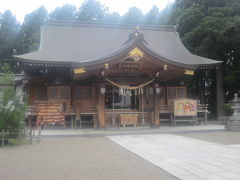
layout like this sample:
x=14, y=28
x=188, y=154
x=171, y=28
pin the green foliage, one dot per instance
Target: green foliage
x=190, y=18
x=113, y=18
x=152, y=17
x=210, y=28
x=8, y=32
x=227, y=109
x=29, y=37
x=184, y=4
x=65, y=12
x=12, y=108
x=91, y=11
x=133, y=16
x=9, y=29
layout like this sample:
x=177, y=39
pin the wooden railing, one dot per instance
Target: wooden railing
x=202, y=112
x=165, y=108
x=85, y=109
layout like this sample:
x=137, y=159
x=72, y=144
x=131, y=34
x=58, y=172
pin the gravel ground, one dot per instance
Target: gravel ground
x=221, y=137
x=75, y=158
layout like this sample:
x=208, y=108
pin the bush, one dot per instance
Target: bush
x=227, y=109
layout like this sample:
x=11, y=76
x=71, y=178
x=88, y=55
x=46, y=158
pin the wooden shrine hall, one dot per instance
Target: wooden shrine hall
x=108, y=75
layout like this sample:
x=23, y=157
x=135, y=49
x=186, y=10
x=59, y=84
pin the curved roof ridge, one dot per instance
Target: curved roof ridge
x=110, y=25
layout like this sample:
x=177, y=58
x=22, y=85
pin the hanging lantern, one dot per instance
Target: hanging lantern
x=165, y=67
x=106, y=66
x=150, y=91
x=102, y=89
x=158, y=89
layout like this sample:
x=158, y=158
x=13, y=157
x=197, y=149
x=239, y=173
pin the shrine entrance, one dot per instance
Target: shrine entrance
x=129, y=105
x=135, y=89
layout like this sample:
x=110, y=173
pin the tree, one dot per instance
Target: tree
x=169, y=15
x=184, y=4
x=91, y=11
x=190, y=18
x=133, y=16
x=113, y=18
x=210, y=28
x=12, y=109
x=152, y=16
x=29, y=37
x=9, y=29
x=65, y=12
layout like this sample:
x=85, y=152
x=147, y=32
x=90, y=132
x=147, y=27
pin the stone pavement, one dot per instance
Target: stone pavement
x=131, y=130
x=75, y=158
x=185, y=158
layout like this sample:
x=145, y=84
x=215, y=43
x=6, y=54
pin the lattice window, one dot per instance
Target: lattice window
x=181, y=92
x=40, y=93
x=171, y=92
x=82, y=93
x=53, y=92
x=88, y=92
x=176, y=92
x=162, y=93
x=77, y=93
x=63, y=93
x=58, y=92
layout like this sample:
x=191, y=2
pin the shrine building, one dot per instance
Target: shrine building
x=109, y=75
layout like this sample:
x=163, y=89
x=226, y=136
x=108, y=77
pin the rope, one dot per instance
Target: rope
x=129, y=87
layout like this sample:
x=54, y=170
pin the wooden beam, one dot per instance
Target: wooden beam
x=101, y=109
x=156, y=107
x=220, y=97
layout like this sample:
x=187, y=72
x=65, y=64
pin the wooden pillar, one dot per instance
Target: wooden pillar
x=156, y=107
x=142, y=102
x=101, y=109
x=220, y=96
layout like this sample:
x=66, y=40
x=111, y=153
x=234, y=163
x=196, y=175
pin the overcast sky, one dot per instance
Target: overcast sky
x=22, y=7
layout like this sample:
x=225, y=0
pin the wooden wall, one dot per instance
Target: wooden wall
x=87, y=96
x=82, y=96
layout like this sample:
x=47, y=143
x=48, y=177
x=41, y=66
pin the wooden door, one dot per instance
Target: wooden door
x=59, y=94
x=83, y=98
x=162, y=96
x=175, y=93
x=36, y=93
x=149, y=104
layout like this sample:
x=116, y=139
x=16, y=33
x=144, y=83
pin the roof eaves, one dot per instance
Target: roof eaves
x=164, y=59
x=170, y=61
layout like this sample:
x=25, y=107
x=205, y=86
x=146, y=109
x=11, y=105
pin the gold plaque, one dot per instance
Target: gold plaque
x=79, y=70
x=189, y=72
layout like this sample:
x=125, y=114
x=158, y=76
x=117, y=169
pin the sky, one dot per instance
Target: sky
x=22, y=7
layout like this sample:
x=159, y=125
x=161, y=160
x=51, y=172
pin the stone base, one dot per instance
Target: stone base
x=224, y=118
x=233, y=126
